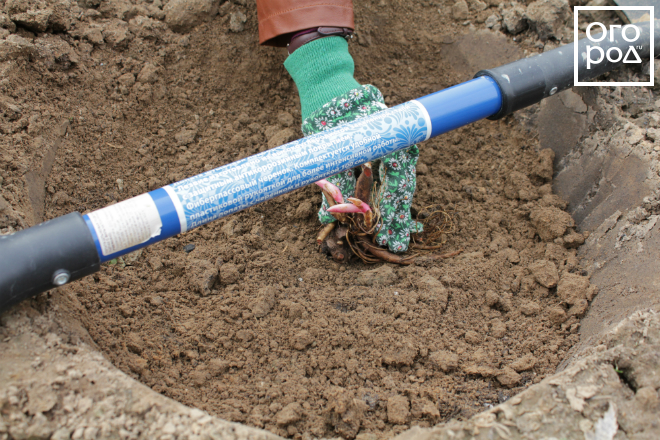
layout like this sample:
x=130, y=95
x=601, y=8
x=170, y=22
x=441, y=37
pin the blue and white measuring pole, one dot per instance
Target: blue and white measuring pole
x=182, y=206
x=72, y=246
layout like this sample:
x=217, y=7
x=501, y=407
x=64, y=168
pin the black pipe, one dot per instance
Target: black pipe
x=45, y=256
x=528, y=81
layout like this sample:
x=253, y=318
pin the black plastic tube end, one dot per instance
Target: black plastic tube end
x=518, y=90
x=528, y=81
x=45, y=256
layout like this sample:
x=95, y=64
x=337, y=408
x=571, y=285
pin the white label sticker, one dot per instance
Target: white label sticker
x=126, y=224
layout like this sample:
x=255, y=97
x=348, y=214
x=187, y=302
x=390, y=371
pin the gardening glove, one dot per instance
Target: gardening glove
x=330, y=96
x=397, y=187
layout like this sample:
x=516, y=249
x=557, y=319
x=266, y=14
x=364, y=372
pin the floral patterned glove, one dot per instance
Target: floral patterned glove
x=397, y=170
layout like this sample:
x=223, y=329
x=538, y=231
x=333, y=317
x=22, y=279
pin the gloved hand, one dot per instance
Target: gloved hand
x=397, y=170
x=330, y=96
x=398, y=183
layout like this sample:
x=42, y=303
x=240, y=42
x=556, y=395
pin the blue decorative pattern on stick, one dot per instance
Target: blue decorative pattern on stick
x=247, y=182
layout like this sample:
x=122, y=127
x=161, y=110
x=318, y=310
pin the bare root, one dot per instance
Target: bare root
x=324, y=232
x=437, y=224
x=356, y=230
x=383, y=254
x=336, y=243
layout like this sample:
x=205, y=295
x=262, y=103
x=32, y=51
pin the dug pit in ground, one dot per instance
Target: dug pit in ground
x=252, y=324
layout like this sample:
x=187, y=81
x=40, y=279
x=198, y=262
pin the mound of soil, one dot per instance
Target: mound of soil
x=251, y=323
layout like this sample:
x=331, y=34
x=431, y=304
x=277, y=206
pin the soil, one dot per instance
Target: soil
x=253, y=324
x=610, y=392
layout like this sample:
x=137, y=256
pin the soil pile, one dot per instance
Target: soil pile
x=101, y=102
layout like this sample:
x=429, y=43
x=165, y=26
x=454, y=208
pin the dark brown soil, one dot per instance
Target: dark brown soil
x=254, y=325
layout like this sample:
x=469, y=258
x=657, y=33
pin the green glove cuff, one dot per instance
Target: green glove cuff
x=322, y=69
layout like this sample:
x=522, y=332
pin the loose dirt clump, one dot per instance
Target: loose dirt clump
x=103, y=102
